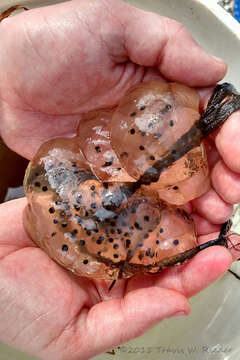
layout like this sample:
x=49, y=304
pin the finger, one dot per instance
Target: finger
x=167, y=44
x=205, y=94
x=140, y=309
x=227, y=142
x=226, y=183
x=194, y=276
x=212, y=207
x=203, y=226
x=227, y=137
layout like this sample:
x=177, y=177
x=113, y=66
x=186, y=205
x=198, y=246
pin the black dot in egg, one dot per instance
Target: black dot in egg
x=108, y=163
x=64, y=224
x=64, y=248
x=37, y=184
x=171, y=123
x=152, y=157
x=88, y=233
x=76, y=172
x=140, y=245
x=132, y=131
x=85, y=262
x=110, y=240
x=93, y=205
x=82, y=242
x=175, y=242
x=128, y=243
x=146, y=218
x=100, y=240
x=119, y=231
x=115, y=256
x=99, y=253
x=157, y=242
x=78, y=198
x=166, y=109
x=175, y=187
x=74, y=164
x=148, y=252
x=53, y=234
x=141, y=147
x=142, y=107
x=174, y=151
x=51, y=210
x=161, y=230
x=75, y=231
x=92, y=187
x=55, y=221
x=98, y=149
x=123, y=155
x=133, y=113
x=76, y=207
x=137, y=226
x=44, y=188
x=112, y=223
x=115, y=246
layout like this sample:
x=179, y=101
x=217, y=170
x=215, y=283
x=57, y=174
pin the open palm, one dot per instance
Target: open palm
x=55, y=64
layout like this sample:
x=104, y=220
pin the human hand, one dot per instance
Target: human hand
x=56, y=63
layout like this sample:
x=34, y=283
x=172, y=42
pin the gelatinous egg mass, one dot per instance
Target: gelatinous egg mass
x=92, y=228
x=150, y=118
x=87, y=208
x=94, y=140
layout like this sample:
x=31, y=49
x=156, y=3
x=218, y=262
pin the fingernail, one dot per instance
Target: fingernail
x=178, y=314
x=217, y=59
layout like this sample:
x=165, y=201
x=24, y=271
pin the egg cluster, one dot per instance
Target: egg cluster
x=104, y=203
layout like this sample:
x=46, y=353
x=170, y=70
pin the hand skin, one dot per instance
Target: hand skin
x=55, y=64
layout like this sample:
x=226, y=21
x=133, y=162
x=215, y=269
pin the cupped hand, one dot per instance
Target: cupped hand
x=55, y=64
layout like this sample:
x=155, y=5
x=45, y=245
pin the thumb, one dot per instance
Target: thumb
x=116, y=321
x=153, y=40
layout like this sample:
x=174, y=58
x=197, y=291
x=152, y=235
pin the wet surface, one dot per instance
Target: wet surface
x=100, y=224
